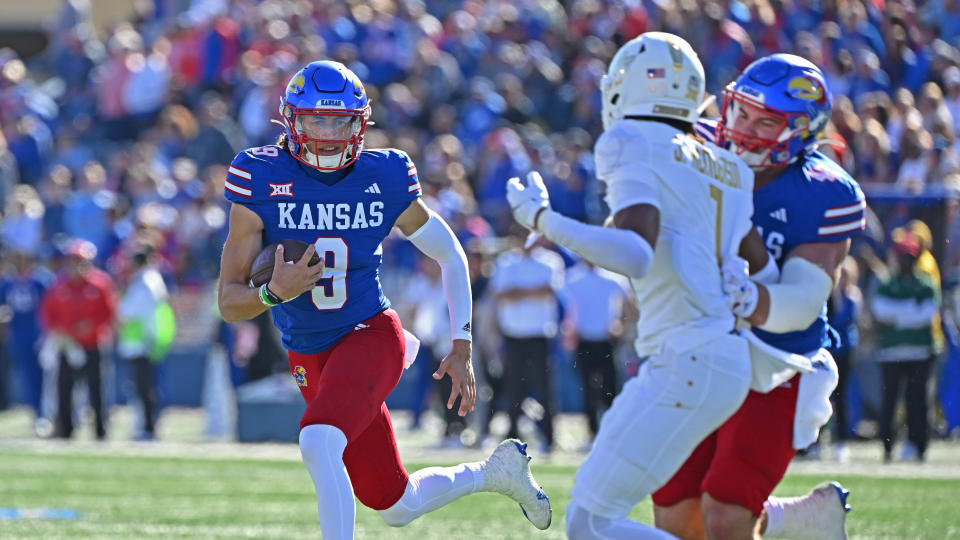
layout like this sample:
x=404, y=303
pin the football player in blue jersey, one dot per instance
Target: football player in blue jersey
x=806, y=209
x=345, y=345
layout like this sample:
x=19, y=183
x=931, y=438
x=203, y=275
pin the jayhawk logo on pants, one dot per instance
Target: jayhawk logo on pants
x=300, y=374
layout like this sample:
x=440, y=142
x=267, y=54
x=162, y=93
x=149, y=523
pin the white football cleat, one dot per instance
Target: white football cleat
x=818, y=515
x=507, y=471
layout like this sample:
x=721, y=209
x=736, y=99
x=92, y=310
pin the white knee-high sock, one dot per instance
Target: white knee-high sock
x=321, y=448
x=774, y=508
x=431, y=488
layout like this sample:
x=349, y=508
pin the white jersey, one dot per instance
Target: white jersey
x=705, y=197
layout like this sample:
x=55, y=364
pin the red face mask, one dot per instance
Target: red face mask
x=326, y=139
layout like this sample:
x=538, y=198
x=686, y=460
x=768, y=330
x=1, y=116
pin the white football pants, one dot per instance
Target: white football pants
x=656, y=422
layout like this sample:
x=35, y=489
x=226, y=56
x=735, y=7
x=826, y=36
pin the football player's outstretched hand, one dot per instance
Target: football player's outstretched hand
x=739, y=291
x=290, y=280
x=527, y=199
x=459, y=365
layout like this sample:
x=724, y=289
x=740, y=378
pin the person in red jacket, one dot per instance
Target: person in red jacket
x=78, y=310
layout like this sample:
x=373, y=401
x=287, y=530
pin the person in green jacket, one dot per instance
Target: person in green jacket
x=905, y=306
x=147, y=329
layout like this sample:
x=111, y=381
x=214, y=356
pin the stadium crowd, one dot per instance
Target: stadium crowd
x=121, y=136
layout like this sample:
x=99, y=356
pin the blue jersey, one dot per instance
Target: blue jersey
x=813, y=200
x=22, y=295
x=346, y=214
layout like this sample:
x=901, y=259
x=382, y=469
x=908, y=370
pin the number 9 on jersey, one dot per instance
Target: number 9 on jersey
x=331, y=291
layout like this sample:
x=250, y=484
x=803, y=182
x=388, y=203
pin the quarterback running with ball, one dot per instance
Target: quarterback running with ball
x=345, y=345
x=679, y=207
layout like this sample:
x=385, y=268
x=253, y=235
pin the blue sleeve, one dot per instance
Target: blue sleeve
x=238, y=187
x=403, y=178
x=844, y=214
x=707, y=128
x=835, y=208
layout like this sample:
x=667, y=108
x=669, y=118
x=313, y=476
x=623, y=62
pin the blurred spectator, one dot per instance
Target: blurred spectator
x=915, y=148
x=525, y=283
x=934, y=110
x=145, y=330
x=904, y=306
x=78, y=314
x=218, y=137
x=9, y=174
x=21, y=288
x=873, y=163
x=595, y=300
x=22, y=227
x=85, y=210
x=431, y=324
x=146, y=90
x=487, y=340
x=927, y=264
x=843, y=311
x=110, y=78
x=951, y=81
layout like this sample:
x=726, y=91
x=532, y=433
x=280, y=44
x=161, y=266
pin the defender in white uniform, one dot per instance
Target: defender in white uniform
x=679, y=207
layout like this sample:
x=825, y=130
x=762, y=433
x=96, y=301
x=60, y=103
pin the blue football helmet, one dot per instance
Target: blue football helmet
x=325, y=112
x=789, y=97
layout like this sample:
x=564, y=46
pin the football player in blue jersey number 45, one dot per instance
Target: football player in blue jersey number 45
x=345, y=345
x=806, y=209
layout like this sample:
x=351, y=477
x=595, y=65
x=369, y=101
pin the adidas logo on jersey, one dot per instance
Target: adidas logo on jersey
x=374, y=188
x=779, y=215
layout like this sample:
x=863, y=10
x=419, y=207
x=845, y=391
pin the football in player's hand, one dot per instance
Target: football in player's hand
x=262, y=269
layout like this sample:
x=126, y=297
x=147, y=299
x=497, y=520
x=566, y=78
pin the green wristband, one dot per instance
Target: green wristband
x=265, y=297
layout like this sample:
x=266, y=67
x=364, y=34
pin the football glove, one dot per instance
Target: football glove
x=739, y=291
x=526, y=199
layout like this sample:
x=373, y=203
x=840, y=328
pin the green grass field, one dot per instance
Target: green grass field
x=122, y=496
x=183, y=487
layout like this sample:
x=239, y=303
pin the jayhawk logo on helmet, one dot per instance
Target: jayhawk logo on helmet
x=296, y=84
x=808, y=88
x=300, y=374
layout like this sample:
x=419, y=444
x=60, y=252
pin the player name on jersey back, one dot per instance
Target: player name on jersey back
x=721, y=168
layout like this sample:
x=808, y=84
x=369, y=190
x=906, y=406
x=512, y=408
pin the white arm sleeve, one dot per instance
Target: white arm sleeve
x=437, y=241
x=796, y=301
x=769, y=274
x=621, y=251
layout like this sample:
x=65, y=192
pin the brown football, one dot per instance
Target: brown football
x=262, y=269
